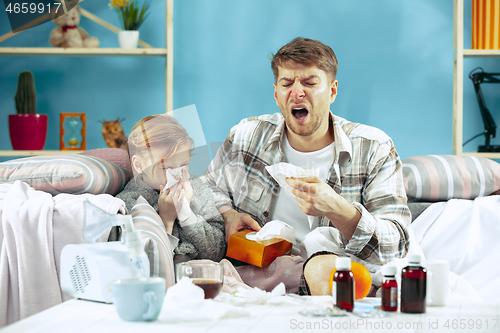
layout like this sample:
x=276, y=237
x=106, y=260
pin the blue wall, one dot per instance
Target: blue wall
x=395, y=68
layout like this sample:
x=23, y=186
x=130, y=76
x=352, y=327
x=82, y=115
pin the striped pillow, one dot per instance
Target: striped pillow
x=117, y=156
x=444, y=177
x=74, y=174
x=156, y=240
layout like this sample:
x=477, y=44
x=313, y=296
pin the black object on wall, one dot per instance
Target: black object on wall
x=478, y=76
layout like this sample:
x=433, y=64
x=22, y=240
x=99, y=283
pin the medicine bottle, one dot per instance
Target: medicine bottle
x=413, y=286
x=343, y=285
x=389, y=289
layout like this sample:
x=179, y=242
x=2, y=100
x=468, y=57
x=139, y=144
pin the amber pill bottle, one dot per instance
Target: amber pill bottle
x=413, y=286
x=343, y=285
x=389, y=289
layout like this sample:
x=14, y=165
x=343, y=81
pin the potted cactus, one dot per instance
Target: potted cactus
x=27, y=129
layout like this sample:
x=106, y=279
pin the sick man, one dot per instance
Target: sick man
x=358, y=199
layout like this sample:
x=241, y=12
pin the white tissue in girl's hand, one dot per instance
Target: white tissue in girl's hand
x=170, y=173
x=185, y=210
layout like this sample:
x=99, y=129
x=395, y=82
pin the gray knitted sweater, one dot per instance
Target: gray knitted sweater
x=203, y=240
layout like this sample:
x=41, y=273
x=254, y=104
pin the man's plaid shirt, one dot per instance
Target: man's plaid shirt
x=366, y=170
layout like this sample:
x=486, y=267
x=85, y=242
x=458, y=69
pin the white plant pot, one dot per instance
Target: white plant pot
x=128, y=39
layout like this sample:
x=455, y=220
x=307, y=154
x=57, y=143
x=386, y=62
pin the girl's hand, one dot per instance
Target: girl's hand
x=166, y=208
x=181, y=192
x=186, y=186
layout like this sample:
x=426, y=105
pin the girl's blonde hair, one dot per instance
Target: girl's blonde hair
x=159, y=130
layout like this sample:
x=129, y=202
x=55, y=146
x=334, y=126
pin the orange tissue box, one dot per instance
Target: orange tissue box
x=257, y=253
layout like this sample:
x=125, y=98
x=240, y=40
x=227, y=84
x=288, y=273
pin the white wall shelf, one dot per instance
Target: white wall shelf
x=81, y=52
x=468, y=53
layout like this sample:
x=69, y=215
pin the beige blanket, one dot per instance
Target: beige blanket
x=34, y=228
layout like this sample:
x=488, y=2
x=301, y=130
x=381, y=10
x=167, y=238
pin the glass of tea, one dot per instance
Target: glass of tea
x=207, y=275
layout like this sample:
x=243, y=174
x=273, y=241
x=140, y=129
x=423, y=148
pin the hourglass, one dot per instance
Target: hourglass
x=72, y=131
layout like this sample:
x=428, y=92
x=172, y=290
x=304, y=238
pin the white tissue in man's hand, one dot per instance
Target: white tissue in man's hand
x=281, y=171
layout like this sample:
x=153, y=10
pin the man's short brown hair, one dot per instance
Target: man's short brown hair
x=307, y=52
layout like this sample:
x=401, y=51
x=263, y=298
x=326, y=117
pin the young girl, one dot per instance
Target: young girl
x=159, y=143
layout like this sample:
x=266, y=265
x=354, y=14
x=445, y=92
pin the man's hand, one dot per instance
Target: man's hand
x=316, y=198
x=235, y=221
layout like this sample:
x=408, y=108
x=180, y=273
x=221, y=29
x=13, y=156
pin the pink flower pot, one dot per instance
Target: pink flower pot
x=28, y=131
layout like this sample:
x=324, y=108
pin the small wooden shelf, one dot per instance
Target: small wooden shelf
x=84, y=52
x=37, y=152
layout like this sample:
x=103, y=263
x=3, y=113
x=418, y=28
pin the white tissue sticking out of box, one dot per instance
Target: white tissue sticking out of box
x=273, y=229
x=281, y=171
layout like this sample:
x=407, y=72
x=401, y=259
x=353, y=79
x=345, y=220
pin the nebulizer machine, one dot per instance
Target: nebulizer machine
x=88, y=270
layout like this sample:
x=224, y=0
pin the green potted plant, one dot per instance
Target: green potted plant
x=27, y=129
x=131, y=15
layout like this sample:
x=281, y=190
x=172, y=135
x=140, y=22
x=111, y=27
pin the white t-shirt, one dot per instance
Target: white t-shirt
x=285, y=205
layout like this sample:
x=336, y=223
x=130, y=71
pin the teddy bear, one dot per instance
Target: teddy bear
x=68, y=33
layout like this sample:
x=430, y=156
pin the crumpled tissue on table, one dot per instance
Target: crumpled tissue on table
x=281, y=171
x=273, y=229
x=186, y=301
x=278, y=295
x=171, y=181
x=257, y=296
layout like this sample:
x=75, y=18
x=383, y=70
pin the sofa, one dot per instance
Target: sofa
x=453, y=200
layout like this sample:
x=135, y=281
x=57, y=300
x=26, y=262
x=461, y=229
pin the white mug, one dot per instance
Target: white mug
x=139, y=299
x=437, y=282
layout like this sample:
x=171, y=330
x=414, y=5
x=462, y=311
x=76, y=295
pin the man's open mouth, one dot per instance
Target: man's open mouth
x=299, y=113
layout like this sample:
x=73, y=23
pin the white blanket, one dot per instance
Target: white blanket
x=34, y=228
x=467, y=234
x=464, y=232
